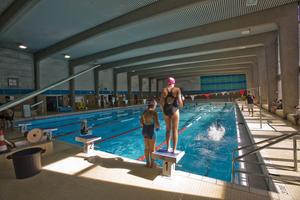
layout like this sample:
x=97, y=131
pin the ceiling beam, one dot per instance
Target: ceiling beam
x=184, y=63
x=270, y=16
x=200, y=72
x=202, y=49
x=134, y=16
x=223, y=68
x=14, y=12
x=187, y=67
x=129, y=63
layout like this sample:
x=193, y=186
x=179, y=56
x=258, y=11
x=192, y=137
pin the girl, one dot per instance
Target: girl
x=149, y=121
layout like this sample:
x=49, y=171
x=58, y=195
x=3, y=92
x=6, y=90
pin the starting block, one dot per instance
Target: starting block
x=24, y=127
x=88, y=142
x=49, y=133
x=169, y=159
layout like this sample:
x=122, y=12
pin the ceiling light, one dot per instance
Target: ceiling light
x=21, y=46
x=133, y=71
x=245, y=32
x=67, y=56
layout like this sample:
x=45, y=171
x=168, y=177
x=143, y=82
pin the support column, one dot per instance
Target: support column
x=141, y=86
x=96, y=86
x=36, y=65
x=129, y=75
x=255, y=75
x=249, y=79
x=115, y=82
x=157, y=89
x=262, y=73
x=72, y=87
x=149, y=86
x=289, y=60
x=37, y=83
x=272, y=67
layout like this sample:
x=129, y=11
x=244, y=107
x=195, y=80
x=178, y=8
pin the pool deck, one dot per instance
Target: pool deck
x=70, y=174
x=279, y=157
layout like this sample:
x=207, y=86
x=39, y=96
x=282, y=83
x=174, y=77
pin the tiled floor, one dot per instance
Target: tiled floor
x=70, y=174
x=279, y=157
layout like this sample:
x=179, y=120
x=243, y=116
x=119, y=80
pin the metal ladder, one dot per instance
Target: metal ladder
x=270, y=142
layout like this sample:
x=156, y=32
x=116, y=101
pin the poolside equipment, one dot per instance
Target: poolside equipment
x=88, y=142
x=169, y=159
x=27, y=162
x=35, y=135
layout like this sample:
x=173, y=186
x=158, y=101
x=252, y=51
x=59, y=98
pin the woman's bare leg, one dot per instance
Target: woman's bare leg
x=175, y=121
x=168, y=128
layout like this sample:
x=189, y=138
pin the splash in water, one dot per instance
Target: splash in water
x=216, y=132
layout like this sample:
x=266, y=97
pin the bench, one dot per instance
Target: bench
x=169, y=159
x=88, y=142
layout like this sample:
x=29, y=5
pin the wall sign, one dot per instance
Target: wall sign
x=12, y=82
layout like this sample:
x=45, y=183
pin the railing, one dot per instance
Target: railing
x=272, y=141
x=39, y=91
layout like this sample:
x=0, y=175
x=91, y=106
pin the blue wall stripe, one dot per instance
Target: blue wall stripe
x=231, y=75
x=220, y=83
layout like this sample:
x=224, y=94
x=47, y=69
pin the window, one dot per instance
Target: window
x=12, y=82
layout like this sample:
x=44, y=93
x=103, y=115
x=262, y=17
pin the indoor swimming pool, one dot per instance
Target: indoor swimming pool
x=207, y=150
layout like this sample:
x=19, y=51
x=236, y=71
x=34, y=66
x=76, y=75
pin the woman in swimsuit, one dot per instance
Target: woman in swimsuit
x=149, y=121
x=170, y=102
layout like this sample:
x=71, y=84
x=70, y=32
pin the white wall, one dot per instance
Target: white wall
x=122, y=81
x=145, y=85
x=189, y=83
x=85, y=81
x=16, y=64
x=153, y=85
x=52, y=70
x=161, y=85
x=106, y=79
x=135, y=83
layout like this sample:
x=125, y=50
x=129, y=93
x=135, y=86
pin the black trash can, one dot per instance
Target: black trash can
x=27, y=162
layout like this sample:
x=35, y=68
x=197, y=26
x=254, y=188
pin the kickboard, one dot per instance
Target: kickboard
x=163, y=154
x=87, y=138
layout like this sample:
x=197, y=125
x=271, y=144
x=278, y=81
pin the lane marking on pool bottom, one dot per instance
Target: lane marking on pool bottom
x=190, y=124
x=125, y=120
x=161, y=144
x=103, y=118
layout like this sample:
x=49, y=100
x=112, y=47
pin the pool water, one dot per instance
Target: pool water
x=207, y=151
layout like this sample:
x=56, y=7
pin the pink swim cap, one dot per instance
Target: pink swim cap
x=171, y=81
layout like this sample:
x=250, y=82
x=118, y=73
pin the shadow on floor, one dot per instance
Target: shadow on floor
x=136, y=169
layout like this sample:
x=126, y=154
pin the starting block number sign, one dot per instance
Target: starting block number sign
x=88, y=142
x=169, y=159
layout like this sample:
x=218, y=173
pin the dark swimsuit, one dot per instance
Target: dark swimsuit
x=148, y=130
x=171, y=104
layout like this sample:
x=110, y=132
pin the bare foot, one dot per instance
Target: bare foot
x=148, y=164
x=153, y=165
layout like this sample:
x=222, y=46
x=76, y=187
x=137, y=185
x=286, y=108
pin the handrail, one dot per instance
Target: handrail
x=279, y=139
x=39, y=91
x=267, y=145
x=263, y=141
x=36, y=104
